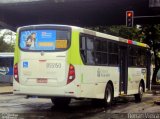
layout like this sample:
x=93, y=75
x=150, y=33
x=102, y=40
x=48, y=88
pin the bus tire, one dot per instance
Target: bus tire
x=61, y=101
x=138, y=97
x=108, y=98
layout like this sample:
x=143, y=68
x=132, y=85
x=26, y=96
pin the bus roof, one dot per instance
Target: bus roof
x=111, y=37
x=6, y=54
x=94, y=33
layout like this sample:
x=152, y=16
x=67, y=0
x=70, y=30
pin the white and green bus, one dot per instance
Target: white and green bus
x=63, y=62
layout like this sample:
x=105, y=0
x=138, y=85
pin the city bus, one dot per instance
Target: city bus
x=6, y=67
x=63, y=62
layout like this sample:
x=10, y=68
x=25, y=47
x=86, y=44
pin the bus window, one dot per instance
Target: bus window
x=83, y=48
x=90, y=52
x=90, y=43
x=101, y=51
x=113, y=53
x=133, y=51
x=82, y=43
x=143, y=58
x=90, y=57
x=87, y=49
x=6, y=62
x=44, y=40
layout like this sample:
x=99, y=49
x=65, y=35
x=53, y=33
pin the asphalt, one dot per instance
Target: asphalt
x=6, y=88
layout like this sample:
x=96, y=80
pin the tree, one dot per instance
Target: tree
x=152, y=33
x=6, y=46
x=120, y=31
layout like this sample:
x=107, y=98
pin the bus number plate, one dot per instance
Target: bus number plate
x=53, y=65
x=42, y=80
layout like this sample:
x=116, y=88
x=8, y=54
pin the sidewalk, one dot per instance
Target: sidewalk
x=6, y=88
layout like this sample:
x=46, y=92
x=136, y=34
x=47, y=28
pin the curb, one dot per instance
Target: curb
x=5, y=84
x=6, y=93
x=6, y=89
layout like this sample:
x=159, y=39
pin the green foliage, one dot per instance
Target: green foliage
x=136, y=33
x=4, y=46
x=133, y=33
x=152, y=33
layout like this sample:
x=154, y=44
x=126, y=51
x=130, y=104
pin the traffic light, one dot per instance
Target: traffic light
x=129, y=18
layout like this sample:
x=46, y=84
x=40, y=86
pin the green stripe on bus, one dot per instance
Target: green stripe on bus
x=74, y=51
x=16, y=51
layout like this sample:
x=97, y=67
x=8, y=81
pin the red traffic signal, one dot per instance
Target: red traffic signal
x=129, y=14
x=129, y=18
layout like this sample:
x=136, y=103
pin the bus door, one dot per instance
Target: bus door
x=123, y=61
x=148, y=69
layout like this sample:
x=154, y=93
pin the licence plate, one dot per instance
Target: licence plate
x=42, y=80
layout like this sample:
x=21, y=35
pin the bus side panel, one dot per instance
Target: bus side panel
x=74, y=51
x=74, y=58
x=89, y=85
x=88, y=81
x=104, y=75
x=134, y=77
x=85, y=85
x=95, y=79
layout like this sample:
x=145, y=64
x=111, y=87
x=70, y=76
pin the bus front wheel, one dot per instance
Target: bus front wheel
x=60, y=101
x=108, y=95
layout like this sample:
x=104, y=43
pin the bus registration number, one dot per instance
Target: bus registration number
x=53, y=65
x=42, y=80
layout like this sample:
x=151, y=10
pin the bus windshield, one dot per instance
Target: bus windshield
x=44, y=40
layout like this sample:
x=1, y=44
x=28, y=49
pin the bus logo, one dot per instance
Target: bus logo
x=143, y=71
x=102, y=73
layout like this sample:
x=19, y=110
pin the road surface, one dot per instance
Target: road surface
x=18, y=106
